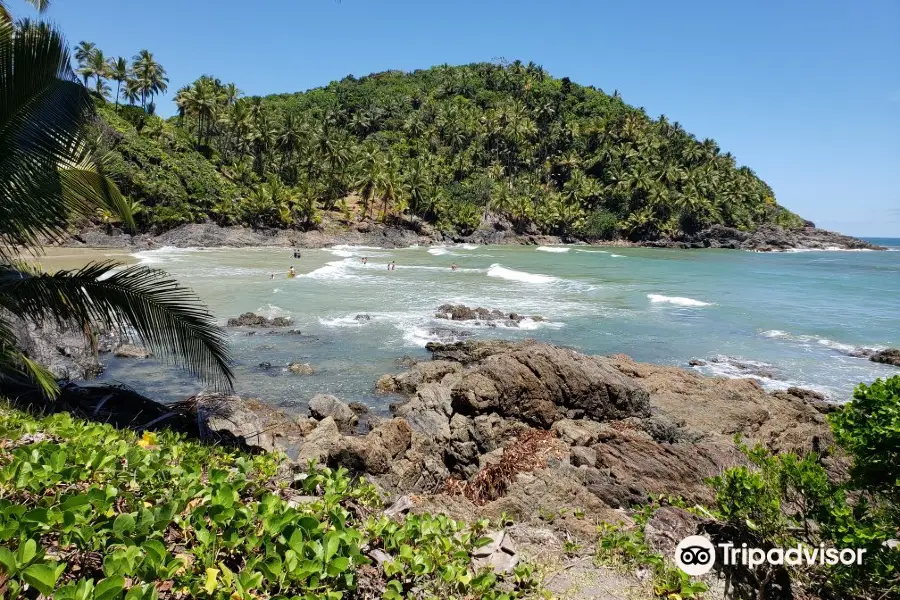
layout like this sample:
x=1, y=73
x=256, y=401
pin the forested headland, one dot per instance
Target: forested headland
x=453, y=146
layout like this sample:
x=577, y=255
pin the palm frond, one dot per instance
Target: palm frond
x=165, y=316
x=43, y=111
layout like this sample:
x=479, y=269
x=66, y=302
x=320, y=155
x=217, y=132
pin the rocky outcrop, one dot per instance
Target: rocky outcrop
x=890, y=356
x=767, y=239
x=69, y=352
x=460, y=312
x=525, y=427
x=250, y=319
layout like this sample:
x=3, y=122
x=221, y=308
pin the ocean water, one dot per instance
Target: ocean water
x=784, y=318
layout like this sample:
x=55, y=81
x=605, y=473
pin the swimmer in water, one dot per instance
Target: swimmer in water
x=272, y=276
x=291, y=272
x=453, y=267
x=365, y=260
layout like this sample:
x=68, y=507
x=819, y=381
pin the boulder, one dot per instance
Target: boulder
x=542, y=384
x=320, y=442
x=322, y=406
x=131, y=351
x=583, y=456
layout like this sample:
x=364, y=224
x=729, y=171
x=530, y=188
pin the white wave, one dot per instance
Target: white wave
x=351, y=248
x=593, y=251
x=164, y=254
x=738, y=368
x=559, y=249
x=276, y=291
x=441, y=251
x=341, y=253
x=677, y=300
x=827, y=249
x=498, y=270
x=617, y=256
x=346, y=321
x=270, y=311
x=467, y=246
x=806, y=340
x=338, y=269
x=775, y=333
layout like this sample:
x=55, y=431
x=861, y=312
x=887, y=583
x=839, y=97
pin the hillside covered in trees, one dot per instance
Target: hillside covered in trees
x=452, y=146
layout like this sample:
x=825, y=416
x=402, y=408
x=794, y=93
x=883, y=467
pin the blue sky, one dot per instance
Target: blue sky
x=805, y=93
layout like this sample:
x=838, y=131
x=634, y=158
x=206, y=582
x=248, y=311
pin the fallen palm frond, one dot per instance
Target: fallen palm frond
x=528, y=452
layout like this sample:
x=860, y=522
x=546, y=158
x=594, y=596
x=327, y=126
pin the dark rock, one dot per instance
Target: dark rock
x=253, y=320
x=460, y=312
x=363, y=317
x=696, y=362
x=265, y=366
x=358, y=408
x=890, y=356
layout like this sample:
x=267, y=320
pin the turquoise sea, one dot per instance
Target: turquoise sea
x=789, y=318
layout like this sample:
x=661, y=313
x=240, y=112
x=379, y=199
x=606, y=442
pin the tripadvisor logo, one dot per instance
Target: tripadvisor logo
x=696, y=555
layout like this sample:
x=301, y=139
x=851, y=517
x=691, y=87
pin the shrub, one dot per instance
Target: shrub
x=600, y=225
x=869, y=429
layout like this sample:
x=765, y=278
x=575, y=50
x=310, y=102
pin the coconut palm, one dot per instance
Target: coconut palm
x=46, y=178
x=118, y=72
x=150, y=75
x=98, y=68
x=83, y=52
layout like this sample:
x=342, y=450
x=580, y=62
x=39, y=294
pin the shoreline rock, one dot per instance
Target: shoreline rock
x=250, y=319
x=210, y=235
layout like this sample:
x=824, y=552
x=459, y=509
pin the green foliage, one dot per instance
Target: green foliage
x=869, y=429
x=89, y=512
x=787, y=499
x=600, y=225
x=449, y=145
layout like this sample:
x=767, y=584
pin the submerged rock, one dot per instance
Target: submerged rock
x=460, y=312
x=250, y=319
x=301, y=368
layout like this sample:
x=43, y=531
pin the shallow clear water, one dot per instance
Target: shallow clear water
x=795, y=315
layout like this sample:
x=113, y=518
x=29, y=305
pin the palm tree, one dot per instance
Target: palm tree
x=118, y=72
x=150, y=75
x=47, y=177
x=99, y=69
x=83, y=52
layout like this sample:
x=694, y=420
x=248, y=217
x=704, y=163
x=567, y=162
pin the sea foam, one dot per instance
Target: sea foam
x=498, y=270
x=559, y=249
x=677, y=300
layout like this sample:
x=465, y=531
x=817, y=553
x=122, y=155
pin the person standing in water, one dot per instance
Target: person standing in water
x=365, y=260
x=291, y=272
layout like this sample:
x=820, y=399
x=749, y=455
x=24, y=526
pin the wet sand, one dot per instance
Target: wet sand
x=55, y=259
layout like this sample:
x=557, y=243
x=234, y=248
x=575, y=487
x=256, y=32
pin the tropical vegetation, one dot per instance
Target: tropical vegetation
x=90, y=512
x=455, y=147
x=48, y=176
